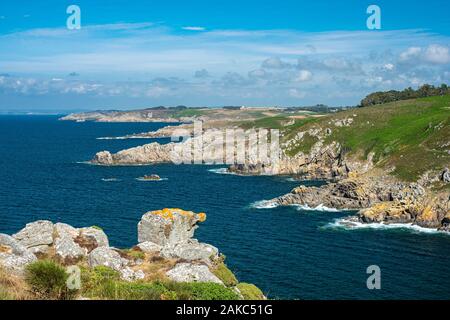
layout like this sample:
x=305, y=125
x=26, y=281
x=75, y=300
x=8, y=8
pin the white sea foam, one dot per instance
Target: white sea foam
x=264, y=204
x=320, y=207
x=151, y=180
x=223, y=171
x=123, y=137
x=345, y=223
x=110, y=179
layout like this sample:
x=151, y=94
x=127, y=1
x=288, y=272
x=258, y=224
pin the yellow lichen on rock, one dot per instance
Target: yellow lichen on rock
x=170, y=213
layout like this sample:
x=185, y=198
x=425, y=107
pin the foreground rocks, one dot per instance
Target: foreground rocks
x=166, y=248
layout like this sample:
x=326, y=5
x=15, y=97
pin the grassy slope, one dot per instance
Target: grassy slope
x=412, y=135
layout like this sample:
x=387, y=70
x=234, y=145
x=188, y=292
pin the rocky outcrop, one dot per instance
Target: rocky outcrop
x=166, y=247
x=188, y=272
x=108, y=257
x=379, y=199
x=13, y=255
x=36, y=236
x=70, y=244
x=171, y=231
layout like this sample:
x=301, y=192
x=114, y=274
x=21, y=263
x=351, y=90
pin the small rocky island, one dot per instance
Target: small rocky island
x=166, y=263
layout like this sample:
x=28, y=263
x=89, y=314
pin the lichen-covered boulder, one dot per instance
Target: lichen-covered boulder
x=68, y=251
x=36, y=236
x=191, y=250
x=188, y=272
x=14, y=256
x=108, y=257
x=91, y=238
x=149, y=247
x=168, y=227
x=65, y=230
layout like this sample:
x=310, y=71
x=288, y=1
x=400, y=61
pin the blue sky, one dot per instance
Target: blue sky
x=131, y=54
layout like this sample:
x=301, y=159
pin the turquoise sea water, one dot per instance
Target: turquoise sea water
x=288, y=252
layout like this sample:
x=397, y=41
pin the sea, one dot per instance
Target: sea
x=289, y=252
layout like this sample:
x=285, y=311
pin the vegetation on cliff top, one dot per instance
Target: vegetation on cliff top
x=426, y=90
x=410, y=136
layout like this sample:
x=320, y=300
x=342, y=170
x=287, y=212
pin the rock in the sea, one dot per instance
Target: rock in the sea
x=188, y=272
x=36, y=236
x=191, y=250
x=388, y=212
x=168, y=227
x=103, y=157
x=149, y=247
x=13, y=255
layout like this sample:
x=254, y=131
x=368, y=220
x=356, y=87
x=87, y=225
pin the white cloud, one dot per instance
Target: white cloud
x=437, y=54
x=295, y=93
x=434, y=53
x=389, y=66
x=189, y=28
x=303, y=75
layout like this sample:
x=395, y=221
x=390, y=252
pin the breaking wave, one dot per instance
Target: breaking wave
x=346, y=224
x=264, y=204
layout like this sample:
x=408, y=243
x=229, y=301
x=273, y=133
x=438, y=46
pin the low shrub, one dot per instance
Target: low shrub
x=250, y=291
x=47, y=280
x=222, y=272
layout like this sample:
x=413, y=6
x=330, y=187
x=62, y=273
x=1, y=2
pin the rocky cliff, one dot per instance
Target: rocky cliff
x=166, y=251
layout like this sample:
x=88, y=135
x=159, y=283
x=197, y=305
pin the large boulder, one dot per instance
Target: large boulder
x=168, y=227
x=13, y=255
x=68, y=251
x=93, y=235
x=188, y=272
x=191, y=250
x=149, y=247
x=108, y=257
x=36, y=236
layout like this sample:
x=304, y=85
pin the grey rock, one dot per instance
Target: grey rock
x=149, y=247
x=67, y=250
x=37, y=235
x=65, y=230
x=108, y=257
x=445, y=176
x=105, y=256
x=191, y=250
x=97, y=235
x=167, y=231
x=188, y=272
x=14, y=256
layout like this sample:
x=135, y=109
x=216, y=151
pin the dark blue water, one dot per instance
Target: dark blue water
x=287, y=252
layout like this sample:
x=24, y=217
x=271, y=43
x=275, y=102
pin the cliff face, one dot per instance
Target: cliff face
x=166, y=251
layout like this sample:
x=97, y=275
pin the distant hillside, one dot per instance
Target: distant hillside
x=410, y=136
x=393, y=95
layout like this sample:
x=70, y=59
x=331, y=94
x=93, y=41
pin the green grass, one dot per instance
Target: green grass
x=47, y=280
x=408, y=135
x=105, y=283
x=223, y=273
x=250, y=291
x=189, y=113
